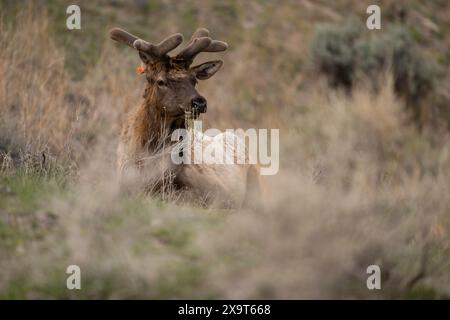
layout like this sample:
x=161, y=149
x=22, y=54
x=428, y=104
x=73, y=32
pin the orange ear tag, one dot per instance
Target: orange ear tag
x=140, y=70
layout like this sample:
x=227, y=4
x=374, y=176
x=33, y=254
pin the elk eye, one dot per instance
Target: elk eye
x=160, y=83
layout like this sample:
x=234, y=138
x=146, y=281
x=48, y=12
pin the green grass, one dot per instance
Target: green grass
x=21, y=192
x=22, y=196
x=149, y=226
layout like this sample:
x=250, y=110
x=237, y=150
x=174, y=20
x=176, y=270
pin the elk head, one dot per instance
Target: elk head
x=172, y=80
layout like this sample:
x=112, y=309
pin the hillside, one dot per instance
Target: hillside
x=364, y=178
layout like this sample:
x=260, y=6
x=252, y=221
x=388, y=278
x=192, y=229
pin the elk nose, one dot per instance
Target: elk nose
x=199, y=104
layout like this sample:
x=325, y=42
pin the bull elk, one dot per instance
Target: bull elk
x=169, y=95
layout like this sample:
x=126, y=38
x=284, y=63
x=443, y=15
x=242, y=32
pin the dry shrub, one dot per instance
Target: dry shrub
x=357, y=188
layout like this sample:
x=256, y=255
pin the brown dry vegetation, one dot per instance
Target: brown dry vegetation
x=360, y=182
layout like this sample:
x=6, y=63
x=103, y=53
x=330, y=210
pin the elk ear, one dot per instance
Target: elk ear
x=207, y=70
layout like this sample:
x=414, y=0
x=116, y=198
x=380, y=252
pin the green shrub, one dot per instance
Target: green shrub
x=346, y=54
x=333, y=52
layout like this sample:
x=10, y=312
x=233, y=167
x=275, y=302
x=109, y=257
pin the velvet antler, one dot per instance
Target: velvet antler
x=153, y=51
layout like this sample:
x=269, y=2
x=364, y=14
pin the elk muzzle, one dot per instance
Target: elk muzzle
x=199, y=105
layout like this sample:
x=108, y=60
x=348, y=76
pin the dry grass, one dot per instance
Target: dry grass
x=358, y=185
x=34, y=84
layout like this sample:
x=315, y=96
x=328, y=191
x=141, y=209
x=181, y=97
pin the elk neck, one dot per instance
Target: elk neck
x=152, y=125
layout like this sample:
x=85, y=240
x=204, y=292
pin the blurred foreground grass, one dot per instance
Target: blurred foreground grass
x=35, y=249
x=27, y=224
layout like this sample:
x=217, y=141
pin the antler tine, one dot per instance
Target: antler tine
x=155, y=51
x=130, y=40
x=196, y=46
x=168, y=44
x=121, y=35
x=200, y=33
x=162, y=48
x=215, y=45
x=200, y=42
